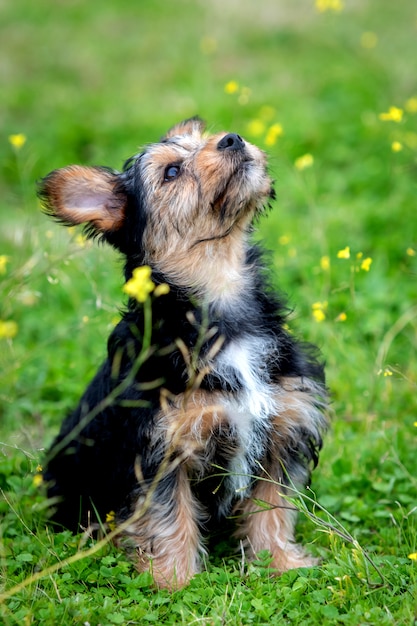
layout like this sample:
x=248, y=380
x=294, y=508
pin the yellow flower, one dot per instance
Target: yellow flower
x=366, y=264
x=394, y=114
x=413, y=556
x=342, y=317
x=411, y=252
x=396, y=146
x=110, y=520
x=3, y=262
x=344, y=254
x=161, y=290
x=304, y=161
x=325, y=263
x=17, y=141
x=415, y=424
x=319, y=315
x=387, y=372
x=256, y=128
x=8, y=330
x=37, y=480
x=140, y=285
x=81, y=240
x=231, y=87
x=329, y=5
x=284, y=240
x=411, y=105
x=318, y=311
x=273, y=133
x=369, y=40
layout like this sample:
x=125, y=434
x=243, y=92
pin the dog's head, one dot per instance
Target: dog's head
x=187, y=200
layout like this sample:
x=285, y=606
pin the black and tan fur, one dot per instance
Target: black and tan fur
x=227, y=407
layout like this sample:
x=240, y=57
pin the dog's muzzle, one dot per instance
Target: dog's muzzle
x=231, y=142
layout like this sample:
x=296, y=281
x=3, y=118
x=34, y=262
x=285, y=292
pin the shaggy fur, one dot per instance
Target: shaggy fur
x=225, y=400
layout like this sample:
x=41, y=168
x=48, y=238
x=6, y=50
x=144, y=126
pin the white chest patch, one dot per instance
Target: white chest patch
x=242, y=365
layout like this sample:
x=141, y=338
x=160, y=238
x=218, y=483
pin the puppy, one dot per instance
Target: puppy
x=206, y=408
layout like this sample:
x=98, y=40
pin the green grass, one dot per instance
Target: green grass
x=90, y=82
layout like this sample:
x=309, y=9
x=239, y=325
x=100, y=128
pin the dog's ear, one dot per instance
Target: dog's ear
x=84, y=195
x=192, y=126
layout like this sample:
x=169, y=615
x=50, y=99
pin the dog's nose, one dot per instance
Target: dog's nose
x=231, y=142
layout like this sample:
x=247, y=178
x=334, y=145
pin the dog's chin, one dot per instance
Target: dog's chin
x=254, y=190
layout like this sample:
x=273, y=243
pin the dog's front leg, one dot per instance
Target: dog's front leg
x=165, y=531
x=267, y=523
x=268, y=518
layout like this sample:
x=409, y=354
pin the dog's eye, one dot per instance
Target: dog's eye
x=171, y=172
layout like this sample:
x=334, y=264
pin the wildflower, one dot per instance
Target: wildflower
x=231, y=87
x=329, y=5
x=413, y=556
x=256, y=128
x=411, y=105
x=3, y=262
x=161, y=290
x=411, y=252
x=394, y=114
x=284, y=240
x=319, y=315
x=110, y=520
x=140, y=285
x=8, y=330
x=415, y=424
x=369, y=40
x=81, y=240
x=37, y=479
x=366, y=264
x=318, y=310
x=325, y=263
x=273, y=133
x=342, y=317
x=396, y=146
x=17, y=141
x=386, y=372
x=344, y=254
x=304, y=161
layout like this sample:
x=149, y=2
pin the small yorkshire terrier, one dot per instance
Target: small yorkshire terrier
x=215, y=417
